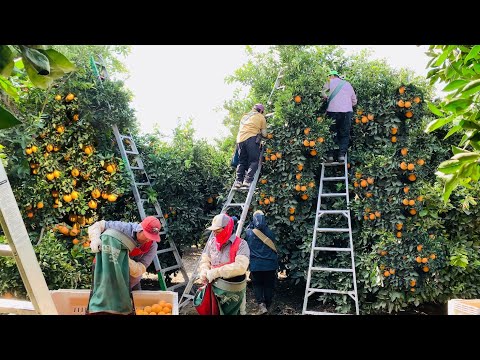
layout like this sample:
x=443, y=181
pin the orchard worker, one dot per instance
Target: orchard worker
x=124, y=250
x=224, y=263
x=253, y=126
x=263, y=260
x=341, y=100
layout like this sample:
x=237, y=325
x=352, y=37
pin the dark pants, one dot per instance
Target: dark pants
x=341, y=130
x=249, y=153
x=263, y=285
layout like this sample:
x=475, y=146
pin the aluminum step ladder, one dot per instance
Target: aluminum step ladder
x=20, y=247
x=137, y=171
x=315, y=249
x=187, y=293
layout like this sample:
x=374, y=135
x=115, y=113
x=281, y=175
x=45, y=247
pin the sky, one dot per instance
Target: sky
x=178, y=82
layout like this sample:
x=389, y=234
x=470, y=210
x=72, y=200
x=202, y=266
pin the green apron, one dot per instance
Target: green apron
x=111, y=279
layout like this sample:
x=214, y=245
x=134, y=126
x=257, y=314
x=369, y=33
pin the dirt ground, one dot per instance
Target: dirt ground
x=288, y=299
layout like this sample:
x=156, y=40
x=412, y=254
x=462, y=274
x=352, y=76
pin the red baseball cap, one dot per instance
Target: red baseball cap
x=151, y=228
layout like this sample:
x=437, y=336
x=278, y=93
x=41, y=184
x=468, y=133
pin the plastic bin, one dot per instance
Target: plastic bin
x=464, y=307
x=75, y=301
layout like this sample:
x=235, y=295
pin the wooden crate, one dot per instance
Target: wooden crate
x=75, y=301
x=464, y=307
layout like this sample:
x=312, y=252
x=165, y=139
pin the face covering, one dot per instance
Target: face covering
x=222, y=237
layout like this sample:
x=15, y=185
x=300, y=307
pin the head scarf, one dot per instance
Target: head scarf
x=223, y=236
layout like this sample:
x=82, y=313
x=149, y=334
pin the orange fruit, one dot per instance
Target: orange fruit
x=412, y=211
x=416, y=100
x=425, y=269
x=320, y=140
x=269, y=136
x=56, y=173
x=405, y=202
x=300, y=167
x=370, y=180
x=432, y=256
x=306, y=131
x=408, y=104
x=60, y=129
x=364, y=119
x=406, y=189
x=74, y=194
x=400, y=103
x=399, y=234
x=392, y=271
x=297, y=99
x=399, y=226
x=58, y=97
x=402, y=89
x=312, y=143
x=409, y=114
x=413, y=283
x=298, y=176
x=412, y=177
x=411, y=202
x=404, y=151
x=386, y=273
x=69, y=97
x=420, y=162
x=394, y=139
x=273, y=157
x=92, y=204
x=50, y=176
x=394, y=130
x=291, y=210
x=411, y=167
x=75, y=117
x=209, y=200
x=418, y=259
x=75, y=241
x=370, y=117
x=39, y=205
x=313, y=152
x=67, y=198
x=306, y=143
x=112, y=197
x=96, y=193
x=304, y=197
x=266, y=201
x=291, y=218
x=424, y=260
x=371, y=216
x=363, y=183
x=111, y=168
x=303, y=188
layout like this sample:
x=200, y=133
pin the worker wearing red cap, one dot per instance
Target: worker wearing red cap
x=145, y=235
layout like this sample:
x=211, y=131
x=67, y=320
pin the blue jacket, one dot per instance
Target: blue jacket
x=262, y=258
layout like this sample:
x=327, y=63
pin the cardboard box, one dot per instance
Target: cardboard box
x=464, y=307
x=75, y=301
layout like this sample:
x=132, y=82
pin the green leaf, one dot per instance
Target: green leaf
x=7, y=86
x=476, y=68
x=471, y=88
x=458, y=104
x=449, y=166
x=455, y=85
x=466, y=156
x=43, y=82
x=38, y=61
x=6, y=60
x=58, y=60
x=438, y=123
x=473, y=53
x=444, y=55
x=469, y=125
x=423, y=213
x=456, y=150
x=452, y=131
x=434, y=109
x=450, y=184
x=7, y=119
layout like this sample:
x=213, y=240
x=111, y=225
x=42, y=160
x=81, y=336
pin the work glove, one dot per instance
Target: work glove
x=136, y=269
x=94, y=232
x=212, y=274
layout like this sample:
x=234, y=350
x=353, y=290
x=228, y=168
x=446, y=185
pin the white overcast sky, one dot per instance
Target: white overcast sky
x=172, y=82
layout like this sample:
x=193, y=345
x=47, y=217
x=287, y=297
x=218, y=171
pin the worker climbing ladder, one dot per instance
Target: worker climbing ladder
x=141, y=186
x=326, y=235
x=21, y=249
x=232, y=201
x=188, y=294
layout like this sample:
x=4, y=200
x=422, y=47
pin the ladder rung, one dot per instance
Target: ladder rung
x=332, y=230
x=131, y=152
x=323, y=248
x=5, y=250
x=136, y=168
x=174, y=267
x=333, y=194
x=334, y=178
x=344, y=212
x=330, y=291
x=331, y=269
x=335, y=163
x=126, y=137
x=16, y=306
x=308, y=312
x=164, y=250
x=143, y=184
x=236, y=204
x=171, y=288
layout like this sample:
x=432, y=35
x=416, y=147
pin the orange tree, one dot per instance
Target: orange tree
x=66, y=174
x=401, y=250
